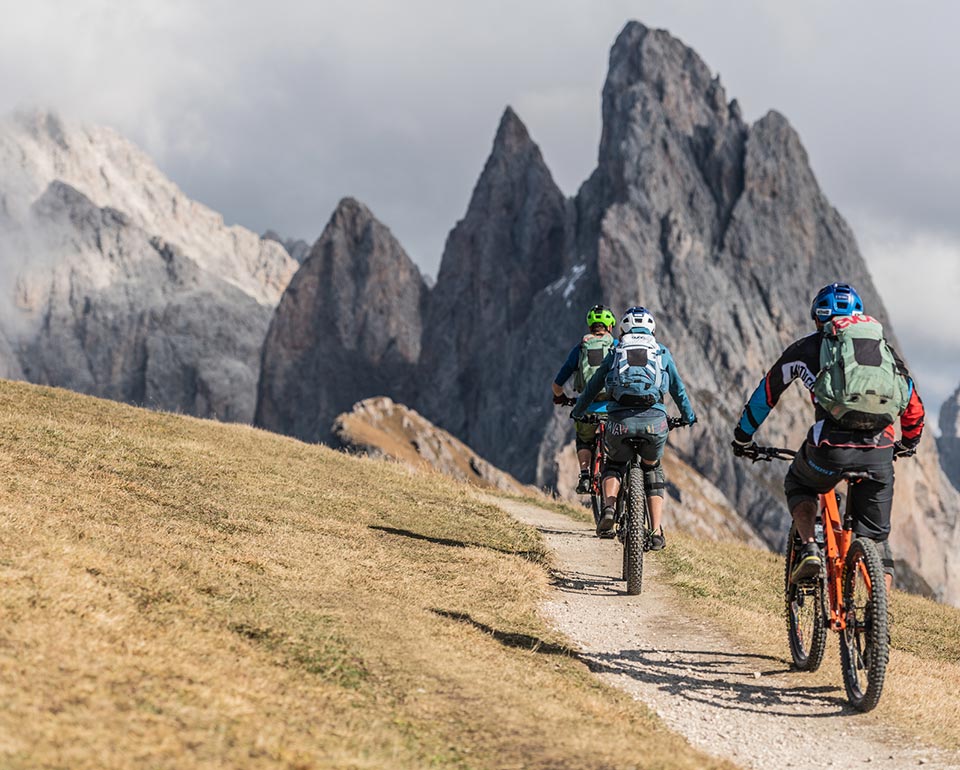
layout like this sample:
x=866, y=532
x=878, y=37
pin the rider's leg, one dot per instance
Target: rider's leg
x=810, y=474
x=583, y=457
x=611, y=488
x=586, y=432
x=654, y=484
x=872, y=502
x=803, y=484
x=804, y=515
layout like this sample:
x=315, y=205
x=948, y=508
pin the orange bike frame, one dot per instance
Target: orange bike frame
x=838, y=543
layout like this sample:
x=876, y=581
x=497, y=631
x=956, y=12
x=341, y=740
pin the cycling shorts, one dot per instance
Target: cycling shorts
x=816, y=470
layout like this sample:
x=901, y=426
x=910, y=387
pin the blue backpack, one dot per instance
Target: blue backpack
x=637, y=378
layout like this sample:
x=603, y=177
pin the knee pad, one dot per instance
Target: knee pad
x=886, y=556
x=654, y=481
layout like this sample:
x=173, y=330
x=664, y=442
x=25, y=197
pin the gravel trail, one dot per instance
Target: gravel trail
x=747, y=708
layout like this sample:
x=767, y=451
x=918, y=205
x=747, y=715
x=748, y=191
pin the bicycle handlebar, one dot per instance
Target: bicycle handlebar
x=594, y=417
x=767, y=453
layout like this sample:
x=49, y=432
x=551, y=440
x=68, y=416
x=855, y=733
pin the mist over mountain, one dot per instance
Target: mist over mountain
x=718, y=226
x=115, y=284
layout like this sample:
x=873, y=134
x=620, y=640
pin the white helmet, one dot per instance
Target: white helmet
x=637, y=318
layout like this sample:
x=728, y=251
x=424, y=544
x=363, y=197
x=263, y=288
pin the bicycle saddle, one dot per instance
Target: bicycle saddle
x=858, y=476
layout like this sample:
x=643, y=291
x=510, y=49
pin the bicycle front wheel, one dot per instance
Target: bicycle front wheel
x=635, y=541
x=806, y=624
x=864, y=643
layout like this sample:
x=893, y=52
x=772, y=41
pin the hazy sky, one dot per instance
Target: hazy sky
x=272, y=111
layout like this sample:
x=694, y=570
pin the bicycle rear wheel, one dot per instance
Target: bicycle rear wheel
x=635, y=541
x=596, y=506
x=864, y=643
x=806, y=624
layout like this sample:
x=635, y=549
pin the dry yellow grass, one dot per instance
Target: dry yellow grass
x=178, y=593
x=742, y=588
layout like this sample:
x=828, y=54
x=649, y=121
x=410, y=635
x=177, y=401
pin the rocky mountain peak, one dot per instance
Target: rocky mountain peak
x=38, y=148
x=296, y=247
x=513, y=243
x=114, y=283
x=348, y=327
x=682, y=82
x=512, y=137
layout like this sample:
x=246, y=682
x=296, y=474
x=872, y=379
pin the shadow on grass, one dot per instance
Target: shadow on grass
x=534, y=556
x=509, y=639
x=724, y=680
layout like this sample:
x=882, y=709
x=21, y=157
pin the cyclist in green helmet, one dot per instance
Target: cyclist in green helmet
x=583, y=360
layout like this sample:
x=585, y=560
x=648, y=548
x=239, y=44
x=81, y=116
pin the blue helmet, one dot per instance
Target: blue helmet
x=835, y=299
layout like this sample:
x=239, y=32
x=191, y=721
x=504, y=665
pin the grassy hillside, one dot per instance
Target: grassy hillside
x=181, y=593
x=742, y=588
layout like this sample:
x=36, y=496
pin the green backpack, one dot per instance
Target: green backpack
x=593, y=349
x=859, y=383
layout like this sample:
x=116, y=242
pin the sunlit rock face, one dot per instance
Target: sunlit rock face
x=114, y=283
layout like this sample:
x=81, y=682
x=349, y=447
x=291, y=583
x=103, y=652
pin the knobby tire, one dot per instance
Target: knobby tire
x=596, y=505
x=865, y=643
x=637, y=529
x=806, y=623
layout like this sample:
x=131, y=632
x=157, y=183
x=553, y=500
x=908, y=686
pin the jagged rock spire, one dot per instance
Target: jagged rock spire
x=347, y=327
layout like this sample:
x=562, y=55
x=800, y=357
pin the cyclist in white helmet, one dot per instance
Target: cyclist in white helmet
x=636, y=375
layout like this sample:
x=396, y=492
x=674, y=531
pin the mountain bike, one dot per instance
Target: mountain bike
x=849, y=596
x=597, y=458
x=633, y=524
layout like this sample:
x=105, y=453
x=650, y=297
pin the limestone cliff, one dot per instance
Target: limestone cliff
x=114, y=283
x=348, y=327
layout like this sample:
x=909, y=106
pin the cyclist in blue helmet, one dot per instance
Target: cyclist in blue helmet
x=837, y=299
x=831, y=447
x=636, y=376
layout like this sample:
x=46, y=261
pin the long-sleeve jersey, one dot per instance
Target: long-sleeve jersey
x=801, y=360
x=674, y=385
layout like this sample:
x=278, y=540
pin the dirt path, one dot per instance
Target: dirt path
x=747, y=708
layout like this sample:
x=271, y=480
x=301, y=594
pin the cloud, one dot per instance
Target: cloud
x=271, y=111
x=918, y=275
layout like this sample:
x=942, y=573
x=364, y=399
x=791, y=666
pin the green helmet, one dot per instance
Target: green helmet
x=599, y=314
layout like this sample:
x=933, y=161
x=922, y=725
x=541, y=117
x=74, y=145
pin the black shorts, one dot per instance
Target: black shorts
x=817, y=469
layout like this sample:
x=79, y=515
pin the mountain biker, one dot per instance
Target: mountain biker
x=631, y=416
x=830, y=449
x=583, y=361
